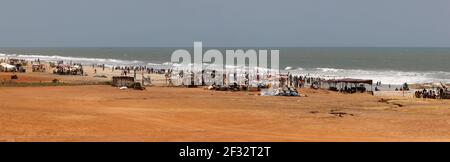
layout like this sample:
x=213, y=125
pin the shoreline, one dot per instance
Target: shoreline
x=386, y=76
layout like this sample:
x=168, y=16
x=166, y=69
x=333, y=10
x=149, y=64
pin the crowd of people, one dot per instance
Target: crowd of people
x=299, y=81
x=68, y=69
x=128, y=70
x=285, y=80
x=13, y=65
x=440, y=93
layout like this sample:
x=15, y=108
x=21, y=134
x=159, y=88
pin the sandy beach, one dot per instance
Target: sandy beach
x=91, y=112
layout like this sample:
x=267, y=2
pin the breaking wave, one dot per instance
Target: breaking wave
x=82, y=60
x=394, y=77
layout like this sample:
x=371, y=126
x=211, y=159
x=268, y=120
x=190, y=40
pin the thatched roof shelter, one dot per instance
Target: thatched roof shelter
x=350, y=80
x=122, y=81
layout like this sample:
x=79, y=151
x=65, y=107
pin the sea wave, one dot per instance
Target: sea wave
x=329, y=69
x=82, y=60
x=384, y=76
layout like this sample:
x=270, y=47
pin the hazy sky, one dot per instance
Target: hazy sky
x=53, y=23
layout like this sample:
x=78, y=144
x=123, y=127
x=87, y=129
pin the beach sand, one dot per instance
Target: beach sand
x=91, y=78
x=104, y=113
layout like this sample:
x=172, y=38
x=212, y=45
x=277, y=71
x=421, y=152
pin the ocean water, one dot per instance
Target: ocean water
x=388, y=65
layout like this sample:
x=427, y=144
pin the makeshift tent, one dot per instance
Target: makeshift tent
x=348, y=82
x=122, y=81
x=7, y=67
x=38, y=68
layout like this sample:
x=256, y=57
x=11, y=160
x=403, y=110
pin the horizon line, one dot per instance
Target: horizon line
x=225, y=47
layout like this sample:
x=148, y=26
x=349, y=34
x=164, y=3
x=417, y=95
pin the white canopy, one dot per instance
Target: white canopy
x=7, y=66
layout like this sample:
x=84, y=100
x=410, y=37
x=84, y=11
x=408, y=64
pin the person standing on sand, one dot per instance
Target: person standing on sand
x=95, y=71
x=290, y=80
x=295, y=81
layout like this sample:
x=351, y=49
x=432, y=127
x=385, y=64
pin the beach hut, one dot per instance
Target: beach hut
x=7, y=67
x=122, y=81
x=349, y=85
x=38, y=68
x=67, y=69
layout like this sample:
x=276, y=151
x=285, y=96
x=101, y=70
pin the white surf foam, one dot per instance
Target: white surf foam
x=385, y=76
x=82, y=60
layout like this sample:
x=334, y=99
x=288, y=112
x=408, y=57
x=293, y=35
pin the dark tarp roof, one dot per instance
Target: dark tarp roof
x=350, y=80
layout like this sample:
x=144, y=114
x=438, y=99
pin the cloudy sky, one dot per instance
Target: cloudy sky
x=299, y=23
